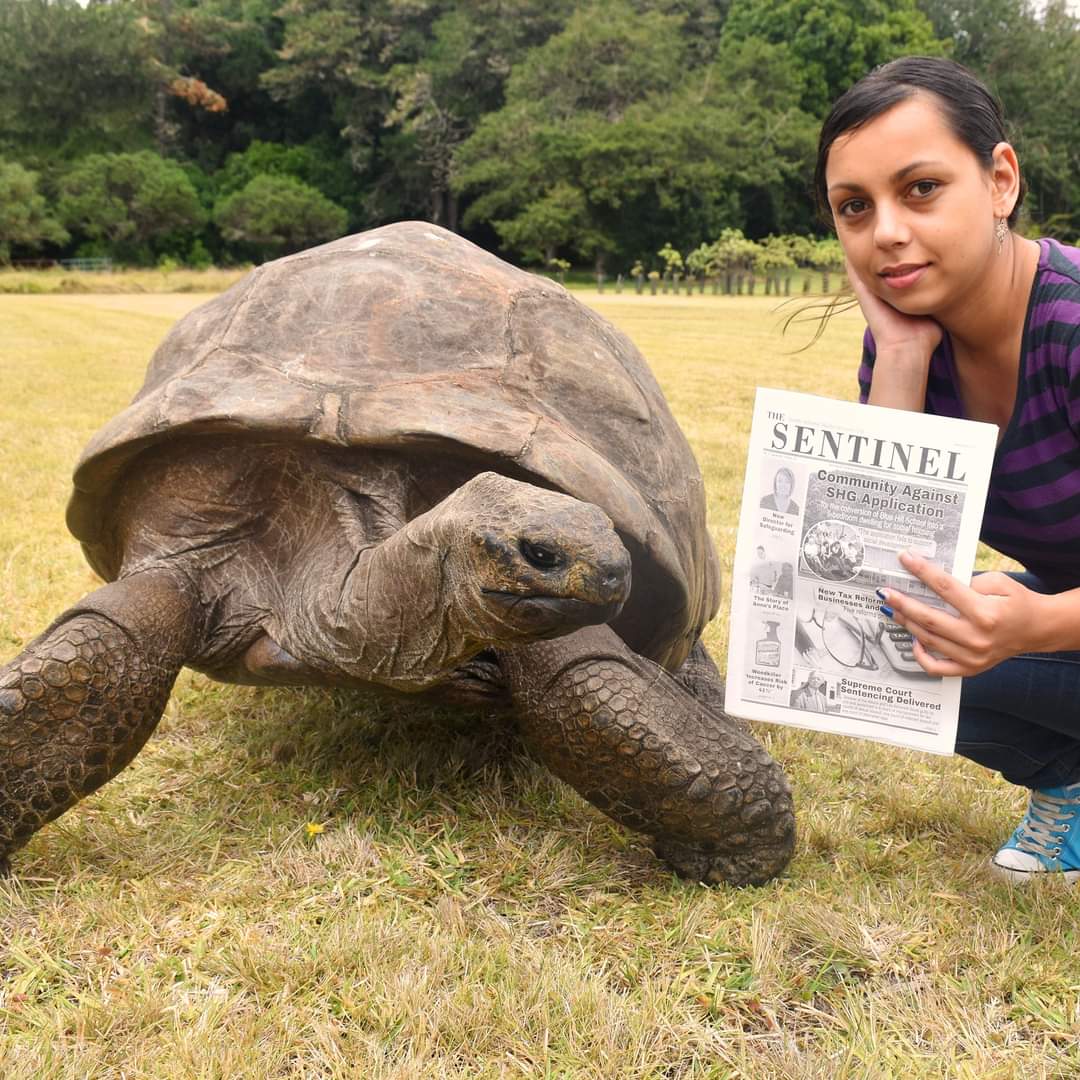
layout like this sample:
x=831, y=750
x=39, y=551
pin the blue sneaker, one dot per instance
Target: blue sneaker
x=1047, y=841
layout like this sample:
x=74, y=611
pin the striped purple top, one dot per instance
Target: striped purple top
x=1033, y=505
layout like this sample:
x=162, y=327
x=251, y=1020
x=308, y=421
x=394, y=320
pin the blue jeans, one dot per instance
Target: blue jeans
x=1022, y=718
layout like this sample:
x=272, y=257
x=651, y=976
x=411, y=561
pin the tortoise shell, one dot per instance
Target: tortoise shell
x=410, y=337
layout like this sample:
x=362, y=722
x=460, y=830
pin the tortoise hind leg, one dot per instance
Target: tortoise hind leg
x=630, y=739
x=700, y=675
x=79, y=702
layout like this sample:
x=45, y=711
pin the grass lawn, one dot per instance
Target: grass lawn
x=57, y=280
x=302, y=884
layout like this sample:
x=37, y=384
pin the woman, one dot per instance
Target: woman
x=782, y=486
x=967, y=318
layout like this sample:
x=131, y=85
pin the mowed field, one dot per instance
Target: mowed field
x=305, y=884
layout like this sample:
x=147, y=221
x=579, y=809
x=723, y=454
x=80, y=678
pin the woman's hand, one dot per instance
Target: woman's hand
x=996, y=618
x=894, y=332
x=905, y=344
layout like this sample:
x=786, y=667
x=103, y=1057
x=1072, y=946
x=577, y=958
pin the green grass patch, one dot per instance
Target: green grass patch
x=306, y=884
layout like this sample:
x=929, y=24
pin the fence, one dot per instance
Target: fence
x=103, y=264
x=777, y=283
x=87, y=264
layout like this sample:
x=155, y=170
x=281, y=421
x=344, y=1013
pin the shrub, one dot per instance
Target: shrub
x=135, y=203
x=25, y=220
x=276, y=215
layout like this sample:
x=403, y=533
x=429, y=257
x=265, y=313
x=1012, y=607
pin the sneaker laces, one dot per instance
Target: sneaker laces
x=1047, y=820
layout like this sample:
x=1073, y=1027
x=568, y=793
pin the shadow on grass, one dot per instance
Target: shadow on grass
x=236, y=773
x=309, y=740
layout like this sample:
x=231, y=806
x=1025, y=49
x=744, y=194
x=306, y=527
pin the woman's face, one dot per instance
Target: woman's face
x=914, y=208
x=782, y=485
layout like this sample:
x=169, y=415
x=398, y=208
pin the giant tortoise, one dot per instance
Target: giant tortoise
x=395, y=461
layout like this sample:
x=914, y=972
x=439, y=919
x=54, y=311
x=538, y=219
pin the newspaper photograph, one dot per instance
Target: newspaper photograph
x=834, y=491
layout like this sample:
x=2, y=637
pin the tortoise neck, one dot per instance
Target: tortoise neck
x=395, y=612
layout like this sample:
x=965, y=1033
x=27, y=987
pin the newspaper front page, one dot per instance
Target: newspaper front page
x=833, y=492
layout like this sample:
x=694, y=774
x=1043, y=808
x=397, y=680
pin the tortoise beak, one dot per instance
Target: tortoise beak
x=549, y=616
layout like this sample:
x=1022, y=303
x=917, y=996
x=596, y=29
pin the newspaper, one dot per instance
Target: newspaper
x=833, y=492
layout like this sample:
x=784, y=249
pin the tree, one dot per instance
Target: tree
x=167, y=24
x=76, y=79
x=557, y=220
x=209, y=56
x=764, y=140
x=25, y=220
x=102, y=76
x=405, y=83
x=652, y=151
x=732, y=256
x=314, y=163
x=134, y=203
x=336, y=57
x=441, y=94
x=672, y=259
x=1028, y=57
x=977, y=28
x=801, y=249
x=775, y=260
x=568, y=120
x=607, y=57
x=701, y=262
x=828, y=257
x=276, y=215
x=592, y=130
x=835, y=42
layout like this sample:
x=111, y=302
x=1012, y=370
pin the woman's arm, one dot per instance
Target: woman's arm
x=905, y=344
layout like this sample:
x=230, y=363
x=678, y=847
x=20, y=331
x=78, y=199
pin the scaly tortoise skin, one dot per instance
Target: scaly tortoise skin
x=396, y=462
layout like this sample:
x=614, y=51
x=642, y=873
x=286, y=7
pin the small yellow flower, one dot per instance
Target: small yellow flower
x=313, y=828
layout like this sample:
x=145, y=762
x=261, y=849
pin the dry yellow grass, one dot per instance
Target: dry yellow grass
x=460, y=913
x=117, y=281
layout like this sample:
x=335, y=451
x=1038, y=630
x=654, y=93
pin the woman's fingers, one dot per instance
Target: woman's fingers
x=994, y=619
x=936, y=665
x=954, y=592
x=911, y=613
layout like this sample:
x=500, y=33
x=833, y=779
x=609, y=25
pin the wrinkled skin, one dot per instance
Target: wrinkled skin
x=282, y=579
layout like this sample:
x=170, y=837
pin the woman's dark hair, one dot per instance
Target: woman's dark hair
x=972, y=112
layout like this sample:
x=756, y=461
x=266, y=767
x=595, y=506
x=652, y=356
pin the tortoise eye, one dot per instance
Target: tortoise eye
x=542, y=558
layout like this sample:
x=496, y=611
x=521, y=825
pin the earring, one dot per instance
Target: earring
x=1001, y=230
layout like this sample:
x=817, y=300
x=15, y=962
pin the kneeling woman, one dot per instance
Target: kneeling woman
x=967, y=318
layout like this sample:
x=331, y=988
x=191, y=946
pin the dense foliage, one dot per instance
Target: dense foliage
x=553, y=130
x=25, y=220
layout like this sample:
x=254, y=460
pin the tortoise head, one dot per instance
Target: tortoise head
x=497, y=563
x=533, y=563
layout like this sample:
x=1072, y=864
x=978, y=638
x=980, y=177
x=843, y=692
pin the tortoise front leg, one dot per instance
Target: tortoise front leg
x=636, y=744
x=79, y=702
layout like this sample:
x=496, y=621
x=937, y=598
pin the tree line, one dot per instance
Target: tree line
x=598, y=133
